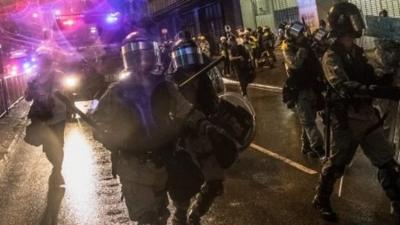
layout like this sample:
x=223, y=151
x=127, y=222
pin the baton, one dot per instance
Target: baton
x=72, y=106
x=204, y=70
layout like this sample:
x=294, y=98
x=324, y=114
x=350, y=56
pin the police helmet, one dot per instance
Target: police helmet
x=185, y=53
x=294, y=31
x=139, y=53
x=345, y=19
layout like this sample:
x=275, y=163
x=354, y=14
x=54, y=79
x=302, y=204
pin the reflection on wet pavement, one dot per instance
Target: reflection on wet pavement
x=78, y=170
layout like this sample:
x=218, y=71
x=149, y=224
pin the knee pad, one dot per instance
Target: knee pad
x=213, y=188
x=389, y=178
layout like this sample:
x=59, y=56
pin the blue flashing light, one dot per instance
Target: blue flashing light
x=112, y=18
x=26, y=65
x=93, y=30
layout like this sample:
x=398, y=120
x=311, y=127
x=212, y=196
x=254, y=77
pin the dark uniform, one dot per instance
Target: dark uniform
x=210, y=148
x=203, y=175
x=303, y=88
x=138, y=120
x=354, y=120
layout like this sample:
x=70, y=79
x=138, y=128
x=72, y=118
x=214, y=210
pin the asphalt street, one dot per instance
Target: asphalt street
x=271, y=184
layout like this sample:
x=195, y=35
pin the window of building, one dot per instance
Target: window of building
x=373, y=7
x=286, y=15
x=212, y=23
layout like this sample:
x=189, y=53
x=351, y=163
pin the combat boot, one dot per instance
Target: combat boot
x=199, y=207
x=396, y=210
x=323, y=205
x=321, y=200
x=179, y=216
x=204, y=200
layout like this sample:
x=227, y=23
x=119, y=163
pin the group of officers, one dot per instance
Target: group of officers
x=333, y=75
x=171, y=136
x=169, y=132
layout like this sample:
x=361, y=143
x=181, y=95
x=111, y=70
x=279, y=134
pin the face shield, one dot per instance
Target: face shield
x=345, y=19
x=357, y=23
x=321, y=35
x=236, y=116
x=295, y=32
x=140, y=55
x=296, y=29
x=187, y=56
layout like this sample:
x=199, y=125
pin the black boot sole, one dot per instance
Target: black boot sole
x=325, y=215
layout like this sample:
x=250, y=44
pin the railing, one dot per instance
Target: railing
x=12, y=89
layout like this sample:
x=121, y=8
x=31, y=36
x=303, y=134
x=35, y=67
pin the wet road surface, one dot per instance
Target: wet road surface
x=264, y=187
x=91, y=196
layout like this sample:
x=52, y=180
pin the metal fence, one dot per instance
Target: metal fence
x=12, y=89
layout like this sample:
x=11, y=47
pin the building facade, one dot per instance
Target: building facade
x=206, y=17
x=268, y=12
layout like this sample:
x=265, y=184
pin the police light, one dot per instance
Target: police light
x=71, y=81
x=93, y=30
x=14, y=70
x=68, y=23
x=123, y=75
x=112, y=18
x=26, y=65
x=35, y=15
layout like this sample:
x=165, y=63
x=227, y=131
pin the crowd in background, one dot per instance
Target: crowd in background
x=245, y=50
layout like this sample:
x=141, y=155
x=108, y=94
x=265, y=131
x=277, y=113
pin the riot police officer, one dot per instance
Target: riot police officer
x=134, y=123
x=354, y=120
x=186, y=60
x=303, y=86
x=211, y=148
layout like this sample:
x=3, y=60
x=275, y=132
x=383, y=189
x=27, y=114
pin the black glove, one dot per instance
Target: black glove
x=385, y=92
x=375, y=91
x=207, y=128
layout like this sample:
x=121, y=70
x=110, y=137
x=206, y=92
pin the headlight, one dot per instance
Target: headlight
x=123, y=75
x=71, y=82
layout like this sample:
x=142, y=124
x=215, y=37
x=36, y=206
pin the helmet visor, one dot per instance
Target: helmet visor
x=137, y=54
x=357, y=22
x=296, y=29
x=186, y=57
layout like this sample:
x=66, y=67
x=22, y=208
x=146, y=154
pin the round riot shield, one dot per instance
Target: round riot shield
x=236, y=116
x=216, y=78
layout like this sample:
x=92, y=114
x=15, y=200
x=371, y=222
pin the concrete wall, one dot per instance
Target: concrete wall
x=248, y=15
x=260, y=14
